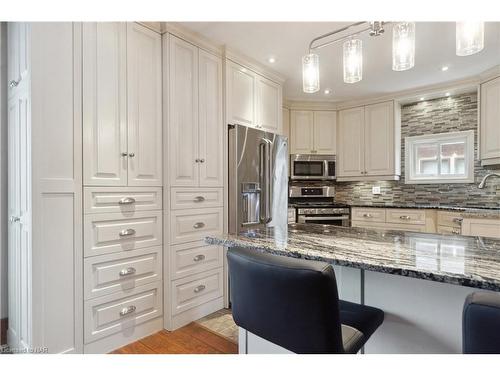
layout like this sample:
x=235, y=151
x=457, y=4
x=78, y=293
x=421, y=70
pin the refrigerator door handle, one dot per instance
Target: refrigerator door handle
x=265, y=178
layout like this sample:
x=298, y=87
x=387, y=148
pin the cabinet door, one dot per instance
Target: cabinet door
x=210, y=120
x=268, y=105
x=490, y=120
x=241, y=85
x=325, y=132
x=144, y=106
x=183, y=113
x=350, y=145
x=104, y=103
x=301, y=129
x=18, y=45
x=481, y=227
x=379, y=139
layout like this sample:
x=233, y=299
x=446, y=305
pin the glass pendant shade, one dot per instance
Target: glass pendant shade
x=403, y=46
x=310, y=73
x=353, y=61
x=469, y=37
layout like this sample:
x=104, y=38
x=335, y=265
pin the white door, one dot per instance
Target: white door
x=325, y=132
x=268, y=105
x=211, y=126
x=350, y=145
x=144, y=106
x=490, y=119
x=301, y=132
x=104, y=104
x=19, y=203
x=241, y=86
x=379, y=139
x=183, y=113
x=18, y=45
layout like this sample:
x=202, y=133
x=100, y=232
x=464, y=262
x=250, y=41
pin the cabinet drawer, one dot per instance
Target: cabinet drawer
x=441, y=229
x=389, y=226
x=182, y=198
x=126, y=199
x=194, y=257
x=121, y=311
x=193, y=225
x=449, y=218
x=195, y=290
x=113, y=273
x=368, y=214
x=405, y=216
x=110, y=233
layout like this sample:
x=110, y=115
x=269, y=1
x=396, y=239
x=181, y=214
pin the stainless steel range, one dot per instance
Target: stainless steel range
x=316, y=205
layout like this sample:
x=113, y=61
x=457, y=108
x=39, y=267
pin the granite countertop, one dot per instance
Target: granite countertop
x=479, y=212
x=460, y=260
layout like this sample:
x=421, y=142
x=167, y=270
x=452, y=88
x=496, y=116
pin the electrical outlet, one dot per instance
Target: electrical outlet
x=376, y=190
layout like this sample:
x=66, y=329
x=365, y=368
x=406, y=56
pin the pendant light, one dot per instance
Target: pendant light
x=353, y=60
x=469, y=37
x=403, y=46
x=310, y=73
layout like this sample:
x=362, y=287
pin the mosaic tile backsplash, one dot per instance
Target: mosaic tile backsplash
x=454, y=113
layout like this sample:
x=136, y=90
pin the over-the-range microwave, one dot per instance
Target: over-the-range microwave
x=312, y=167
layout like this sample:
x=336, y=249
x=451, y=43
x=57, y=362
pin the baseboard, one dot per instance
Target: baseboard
x=195, y=313
x=4, y=323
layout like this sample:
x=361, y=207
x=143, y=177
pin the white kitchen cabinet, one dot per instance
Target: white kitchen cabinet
x=490, y=122
x=195, y=116
x=369, y=143
x=121, y=105
x=313, y=132
x=482, y=227
x=325, y=132
x=301, y=132
x=252, y=99
x=144, y=106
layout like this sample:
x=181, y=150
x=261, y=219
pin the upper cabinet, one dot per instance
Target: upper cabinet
x=195, y=122
x=490, y=122
x=121, y=105
x=313, y=132
x=369, y=143
x=252, y=99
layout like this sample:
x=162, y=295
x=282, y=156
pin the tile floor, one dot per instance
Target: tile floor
x=222, y=323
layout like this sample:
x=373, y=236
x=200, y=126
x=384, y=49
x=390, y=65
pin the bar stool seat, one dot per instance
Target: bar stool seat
x=294, y=303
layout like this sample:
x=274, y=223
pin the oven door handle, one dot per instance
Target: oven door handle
x=304, y=218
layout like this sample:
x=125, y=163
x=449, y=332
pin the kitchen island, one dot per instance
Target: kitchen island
x=420, y=280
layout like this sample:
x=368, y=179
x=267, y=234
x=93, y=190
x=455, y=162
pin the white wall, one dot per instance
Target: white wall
x=3, y=170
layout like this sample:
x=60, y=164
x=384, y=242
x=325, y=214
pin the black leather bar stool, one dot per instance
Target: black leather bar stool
x=481, y=323
x=294, y=303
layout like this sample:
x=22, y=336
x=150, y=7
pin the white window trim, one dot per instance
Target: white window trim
x=468, y=135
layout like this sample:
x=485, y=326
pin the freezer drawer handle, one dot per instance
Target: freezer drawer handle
x=199, y=288
x=199, y=198
x=127, y=271
x=199, y=258
x=127, y=232
x=128, y=310
x=405, y=217
x=198, y=225
x=127, y=200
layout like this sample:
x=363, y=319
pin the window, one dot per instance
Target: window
x=440, y=158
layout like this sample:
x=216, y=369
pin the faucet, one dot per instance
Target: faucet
x=483, y=182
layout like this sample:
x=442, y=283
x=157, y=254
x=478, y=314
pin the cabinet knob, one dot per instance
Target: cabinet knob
x=13, y=83
x=202, y=160
x=196, y=160
x=455, y=231
x=127, y=310
x=199, y=258
x=131, y=154
x=198, y=225
x=126, y=200
x=199, y=199
x=367, y=215
x=199, y=288
x=405, y=217
x=127, y=271
x=458, y=220
x=127, y=232
x=14, y=219
x=124, y=154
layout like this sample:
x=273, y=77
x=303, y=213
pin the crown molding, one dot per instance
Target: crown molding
x=490, y=74
x=192, y=37
x=254, y=65
x=304, y=105
x=154, y=26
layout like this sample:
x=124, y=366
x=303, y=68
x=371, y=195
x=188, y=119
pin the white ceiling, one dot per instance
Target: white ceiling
x=288, y=42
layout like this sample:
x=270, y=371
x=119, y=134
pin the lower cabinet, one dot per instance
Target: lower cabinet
x=482, y=227
x=409, y=220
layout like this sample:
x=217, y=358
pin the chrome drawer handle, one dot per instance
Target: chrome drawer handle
x=199, y=199
x=367, y=215
x=127, y=271
x=199, y=288
x=128, y=310
x=405, y=217
x=199, y=258
x=458, y=220
x=127, y=232
x=126, y=200
x=198, y=225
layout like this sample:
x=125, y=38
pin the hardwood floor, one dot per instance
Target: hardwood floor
x=191, y=339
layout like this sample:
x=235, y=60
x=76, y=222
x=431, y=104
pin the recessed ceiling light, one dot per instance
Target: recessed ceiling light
x=422, y=99
x=444, y=68
x=327, y=91
x=272, y=60
x=447, y=94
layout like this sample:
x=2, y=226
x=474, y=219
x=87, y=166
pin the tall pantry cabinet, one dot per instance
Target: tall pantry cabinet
x=194, y=190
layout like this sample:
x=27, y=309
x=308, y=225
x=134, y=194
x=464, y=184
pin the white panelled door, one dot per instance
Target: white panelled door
x=183, y=113
x=241, y=95
x=301, y=130
x=350, y=149
x=104, y=103
x=144, y=106
x=490, y=120
x=210, y=120
x=379, y=139
x=325, y=132
x=268, y=105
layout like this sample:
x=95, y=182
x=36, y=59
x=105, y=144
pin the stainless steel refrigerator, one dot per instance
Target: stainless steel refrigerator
x=258, y=181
